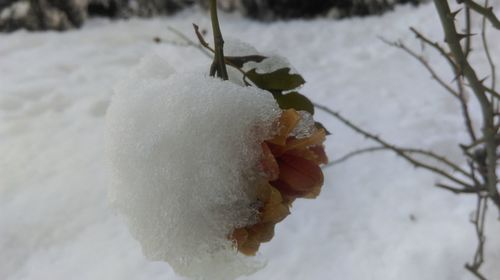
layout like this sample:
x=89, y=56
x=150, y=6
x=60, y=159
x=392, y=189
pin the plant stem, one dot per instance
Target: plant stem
x=453, y=41
x=218, y=66
x=486, y=12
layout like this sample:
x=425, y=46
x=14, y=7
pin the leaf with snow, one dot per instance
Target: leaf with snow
x=239, y=61
x=279, y=80
x=294, y=100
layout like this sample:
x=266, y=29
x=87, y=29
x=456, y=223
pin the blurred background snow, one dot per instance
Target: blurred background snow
x=377, y=217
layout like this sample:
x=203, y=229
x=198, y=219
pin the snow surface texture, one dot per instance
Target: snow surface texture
x=376, y=218
x=185, y=151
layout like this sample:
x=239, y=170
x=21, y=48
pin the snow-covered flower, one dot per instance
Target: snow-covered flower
x=291, y=165
x=203, y=169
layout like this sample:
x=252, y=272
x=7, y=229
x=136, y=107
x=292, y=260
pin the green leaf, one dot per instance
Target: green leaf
x=320, y=125
x=279, y=80
x=239, y=61
x=294, y=100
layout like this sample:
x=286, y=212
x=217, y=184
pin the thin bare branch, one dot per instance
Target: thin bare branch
x=438, y=158
x=455, y=190
x=472, y=169
x=424, y=62
x=490, y=91
x=487, y=52
x=203, y=46
x=475, y=272
x=201, y=39
x=436, y=46
x=393, y=148
x=188, y=41
x=429, y=154
x=355, y=153
x=457, y=72
x=467, y=46
x=479, y=221
x=486, y=12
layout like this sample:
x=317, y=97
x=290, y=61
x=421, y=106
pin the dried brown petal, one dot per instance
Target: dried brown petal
x=269, y=164
x=299, y=176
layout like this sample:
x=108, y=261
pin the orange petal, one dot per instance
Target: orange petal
x=290, y=194
x=274, y=213
x=263, y=192
x=319, y=150
x=275, y=197
x=264, y=232
x=315, y=154
x=299, y=176
x=250, y=247
x=287, y=122
x=269, y=164
x=276, y=150
x=317, y=138
x=240, y=236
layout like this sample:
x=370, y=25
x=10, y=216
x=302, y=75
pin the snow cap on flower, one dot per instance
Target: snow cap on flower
x=185, y=152
x=204, y=169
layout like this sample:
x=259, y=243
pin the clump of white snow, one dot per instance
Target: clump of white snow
x=270, y=64
x=185, y=151
x=236, y=47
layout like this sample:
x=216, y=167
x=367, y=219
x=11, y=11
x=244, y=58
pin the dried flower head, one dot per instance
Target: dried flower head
x=290, y=161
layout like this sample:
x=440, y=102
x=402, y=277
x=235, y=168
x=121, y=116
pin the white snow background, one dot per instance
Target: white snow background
x=55, y=220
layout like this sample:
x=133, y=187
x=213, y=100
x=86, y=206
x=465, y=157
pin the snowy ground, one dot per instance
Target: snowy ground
x=55, y=222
